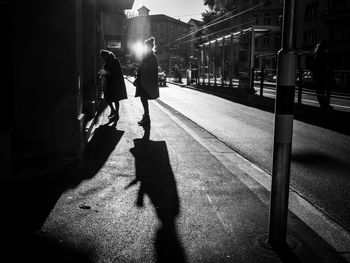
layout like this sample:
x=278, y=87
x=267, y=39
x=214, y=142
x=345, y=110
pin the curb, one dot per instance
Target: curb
x=256, y=178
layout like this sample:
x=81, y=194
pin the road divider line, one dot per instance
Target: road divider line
x=256, y=178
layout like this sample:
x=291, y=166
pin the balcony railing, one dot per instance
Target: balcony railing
x=332, y=14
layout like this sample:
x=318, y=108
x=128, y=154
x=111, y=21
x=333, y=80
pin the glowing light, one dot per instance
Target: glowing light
x=138, y=49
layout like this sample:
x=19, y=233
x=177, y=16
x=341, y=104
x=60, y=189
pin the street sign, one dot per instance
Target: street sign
x=114, y=44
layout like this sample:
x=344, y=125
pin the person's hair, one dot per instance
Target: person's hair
x=150, y=42
x=105, y=53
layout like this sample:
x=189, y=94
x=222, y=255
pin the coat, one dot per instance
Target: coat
x=115, y=89
x=147, y=77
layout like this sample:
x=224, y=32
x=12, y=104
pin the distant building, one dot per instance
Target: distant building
x=266, y=20
x=165, y=29
x=195, y=26
x=328, y=19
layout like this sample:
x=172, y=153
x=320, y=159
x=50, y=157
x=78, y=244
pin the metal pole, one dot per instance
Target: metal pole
x=252, y=55
x=286, y=69
x=204, y=60
x=231, y=61
x=300, y=85
x=209, y=63
x=223, y=62
x=262, y=76
x=215, y=59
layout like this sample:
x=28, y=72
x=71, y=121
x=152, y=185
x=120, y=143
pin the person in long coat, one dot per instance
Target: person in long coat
x=147, y=80
x=322, y=74
x=115, y=89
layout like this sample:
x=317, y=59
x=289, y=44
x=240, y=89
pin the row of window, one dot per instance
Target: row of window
x=265, y=19
x=312, y=10
x=338, y=33
x=160, y=26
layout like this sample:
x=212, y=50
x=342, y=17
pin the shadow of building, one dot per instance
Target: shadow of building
x=28, y=204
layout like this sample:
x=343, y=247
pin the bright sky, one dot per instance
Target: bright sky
x=183, y=9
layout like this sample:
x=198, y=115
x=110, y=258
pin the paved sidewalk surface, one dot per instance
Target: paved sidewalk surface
x=147, y=195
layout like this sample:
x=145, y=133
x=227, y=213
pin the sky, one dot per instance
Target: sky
x=183, y=9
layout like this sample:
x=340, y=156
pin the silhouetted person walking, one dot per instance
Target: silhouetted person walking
x=322, y=75
x=147, y=80
x=115, y=89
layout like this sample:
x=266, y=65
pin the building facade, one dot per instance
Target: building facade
x=195, y=36
x=327, y=19
x=253, y=43
x=165, y=29
x=54, y=69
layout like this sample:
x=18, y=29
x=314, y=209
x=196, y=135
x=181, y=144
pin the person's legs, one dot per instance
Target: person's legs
x=110, y=104
x=116, y=111
x=320, y=91
x=145, y=119
x=144, y=102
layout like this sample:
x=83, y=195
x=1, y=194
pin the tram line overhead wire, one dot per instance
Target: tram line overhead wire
x=225, y=29
x=220, y=21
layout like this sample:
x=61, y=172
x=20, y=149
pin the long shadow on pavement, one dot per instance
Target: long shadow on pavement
x=27, y=205
x=156, y=178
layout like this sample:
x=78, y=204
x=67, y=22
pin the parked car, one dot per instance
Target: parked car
x=161, y=77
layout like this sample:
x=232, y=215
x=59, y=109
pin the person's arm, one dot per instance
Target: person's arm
x=104, y=72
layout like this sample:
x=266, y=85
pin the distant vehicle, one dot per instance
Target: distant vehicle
x=161, y=77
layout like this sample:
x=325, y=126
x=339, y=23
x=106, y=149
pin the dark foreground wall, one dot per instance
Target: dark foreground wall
x=49, y=72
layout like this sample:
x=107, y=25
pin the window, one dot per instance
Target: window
x=267, y=19
x=266, y=40
x=279, y=19
x=339, y=4
x=278, y=41
x=153, y=28
x=255, y=19
x=338, y=32
x=309, y=37
x=311, y=11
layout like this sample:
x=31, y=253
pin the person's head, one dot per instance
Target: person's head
x=150, y=45
x=322, y=44
x=104, y=54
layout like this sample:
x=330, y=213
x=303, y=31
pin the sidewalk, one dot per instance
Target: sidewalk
x=162, y=199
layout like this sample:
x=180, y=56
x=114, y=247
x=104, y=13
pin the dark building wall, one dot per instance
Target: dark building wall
x=45, y=65
x=90, y=48
x=329, y=19
x=6, y=89
x=48, y=74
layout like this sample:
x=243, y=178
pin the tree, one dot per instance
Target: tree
x=216, y=5
x=218, y=9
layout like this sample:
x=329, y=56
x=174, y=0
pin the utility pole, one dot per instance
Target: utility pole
x=286, y=70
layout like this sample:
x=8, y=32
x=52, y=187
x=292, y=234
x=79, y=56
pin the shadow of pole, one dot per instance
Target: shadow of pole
x=156, y=178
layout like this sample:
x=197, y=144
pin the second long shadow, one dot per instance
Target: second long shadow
x=156, y=179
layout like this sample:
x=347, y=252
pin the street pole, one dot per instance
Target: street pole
x=286, y=66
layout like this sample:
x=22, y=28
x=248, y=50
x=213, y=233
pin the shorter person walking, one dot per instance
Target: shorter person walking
x=115, y=89
x=322, y=74
x=147, y=80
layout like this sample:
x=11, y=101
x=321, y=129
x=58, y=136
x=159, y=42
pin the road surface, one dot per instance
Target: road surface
x=320, y=157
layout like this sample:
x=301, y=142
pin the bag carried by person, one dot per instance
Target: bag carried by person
x=136, y=82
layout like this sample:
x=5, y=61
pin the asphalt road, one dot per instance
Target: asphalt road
x=309, y=98
x=320, y=157
x=339, y=102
